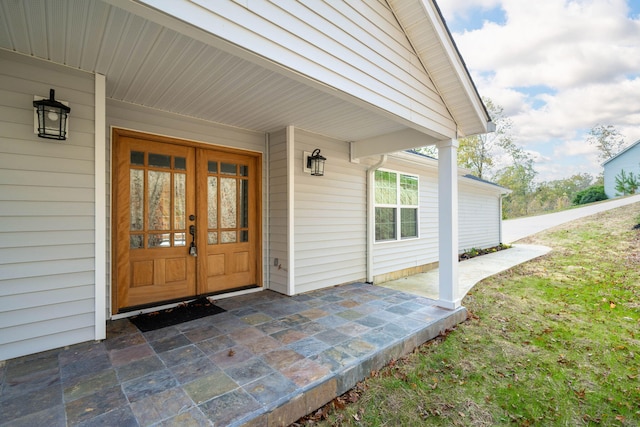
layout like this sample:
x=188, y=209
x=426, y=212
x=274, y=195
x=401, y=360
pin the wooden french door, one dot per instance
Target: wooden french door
x=186, y=220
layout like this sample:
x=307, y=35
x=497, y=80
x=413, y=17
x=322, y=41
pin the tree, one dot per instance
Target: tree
x=477, y=152
x=626, y=183
x=592, y=194
x=607, y=139
x=518, y=177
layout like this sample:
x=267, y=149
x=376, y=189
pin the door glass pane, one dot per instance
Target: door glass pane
x=212, y=196
x=212, y=238
x=159, y=194
x=228, y=203
x=228, y=237
x=244, y=170
x=213, y=167
x=228, y=168
x=179, y=239
x=244, y=203
x=179, y=200
x=136, y=184
x=137, y=158
x=136, y=241
x=244, y=236
x=159, y=240
x=159, y=160
x=180, y=163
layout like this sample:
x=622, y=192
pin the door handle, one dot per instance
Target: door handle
x=193, y=251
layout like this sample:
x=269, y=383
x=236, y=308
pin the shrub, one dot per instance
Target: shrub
x=595, y=193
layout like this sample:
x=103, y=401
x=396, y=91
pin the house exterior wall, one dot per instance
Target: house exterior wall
x=478, y=216
x=47, y=229
x=324, y=43
x=479, y=222
x=330, y=216
x=278, y=213
x=629, y=160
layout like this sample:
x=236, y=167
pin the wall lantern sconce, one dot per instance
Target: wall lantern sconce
x=314, y=162
x=51, y=117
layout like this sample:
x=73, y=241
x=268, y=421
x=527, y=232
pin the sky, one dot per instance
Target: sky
x=557, y=68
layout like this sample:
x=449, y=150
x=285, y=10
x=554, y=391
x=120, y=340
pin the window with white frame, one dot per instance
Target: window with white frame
x=396, y=203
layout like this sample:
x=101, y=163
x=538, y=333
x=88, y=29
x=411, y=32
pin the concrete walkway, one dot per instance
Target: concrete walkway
x=471, y=271
x=476, y=269
x=516, y=229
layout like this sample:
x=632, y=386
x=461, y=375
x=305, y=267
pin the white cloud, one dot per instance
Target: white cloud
x=557, y=68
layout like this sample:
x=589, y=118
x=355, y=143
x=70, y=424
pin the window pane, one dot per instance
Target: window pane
x=179, y=239
x=179, y=200
x=385, y=223
x=228, y=237
x=228, y=168
x=244, y=203
x=212, y=190
x=408, y=190
x=408, y=223
x=159, y=193
x=136, y=188
x=180, y=163
x=159, y=240
x=386, y=188
x=136, y=241
x=159, y=160
x=137, y=158
x=228, y=217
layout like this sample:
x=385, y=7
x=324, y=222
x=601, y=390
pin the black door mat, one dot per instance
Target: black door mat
x=196, y=309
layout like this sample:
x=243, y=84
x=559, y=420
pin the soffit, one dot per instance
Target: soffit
x=148, y=64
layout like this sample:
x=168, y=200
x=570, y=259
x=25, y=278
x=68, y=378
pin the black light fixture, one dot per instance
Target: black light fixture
x=52, y=117
x=315, y=163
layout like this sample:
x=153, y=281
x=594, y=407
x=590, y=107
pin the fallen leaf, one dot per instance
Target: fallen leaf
x=612, y=304
x=231, y=353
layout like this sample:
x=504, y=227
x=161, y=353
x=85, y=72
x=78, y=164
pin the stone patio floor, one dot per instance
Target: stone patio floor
x=268, y=360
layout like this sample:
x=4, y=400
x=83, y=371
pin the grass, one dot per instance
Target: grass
x=555, y=341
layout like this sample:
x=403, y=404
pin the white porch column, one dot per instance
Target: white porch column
x=448, y=224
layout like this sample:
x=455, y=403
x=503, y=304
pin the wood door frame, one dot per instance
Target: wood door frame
x=117, y=133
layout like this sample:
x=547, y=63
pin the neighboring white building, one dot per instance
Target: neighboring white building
x=203, y=114
x=627, y=160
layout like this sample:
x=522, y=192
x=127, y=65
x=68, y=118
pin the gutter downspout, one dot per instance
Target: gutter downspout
x=371, y=215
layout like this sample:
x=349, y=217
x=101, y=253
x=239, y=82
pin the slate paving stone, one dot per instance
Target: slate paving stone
x=232, y=356
x=161, y=406
x=169, y=343
x=193, y=369
x=230, y=407
x=215, y=345
x=280, y=359
x=222, y=370
x=124, y=356
x=91, y=406
x=248, y=371
x=15, y=407
x=181, y=355
x=148, y=385
x=139, y=368
x=271, y=390
x=209, y=387
x=90, y=385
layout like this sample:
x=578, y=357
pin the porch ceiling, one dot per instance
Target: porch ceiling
x=148, y=64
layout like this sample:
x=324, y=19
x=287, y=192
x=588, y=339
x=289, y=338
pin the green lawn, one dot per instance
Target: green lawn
x=555, y=341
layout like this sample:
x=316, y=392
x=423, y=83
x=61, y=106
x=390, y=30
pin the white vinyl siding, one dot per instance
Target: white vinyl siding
x=278, y=213
x=47, y=224
x=330, y=217
x=629, y=160
x=478, y=216
x=323, y=41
